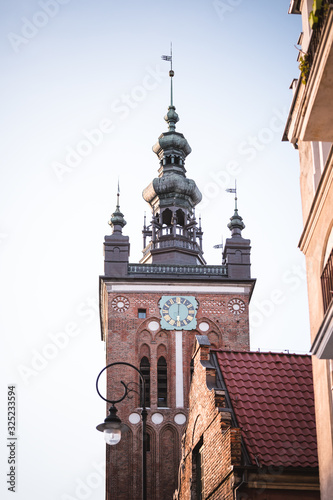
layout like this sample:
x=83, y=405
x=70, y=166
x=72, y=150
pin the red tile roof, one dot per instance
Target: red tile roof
x=272, y=397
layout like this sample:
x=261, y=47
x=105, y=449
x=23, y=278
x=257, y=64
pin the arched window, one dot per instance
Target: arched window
x=145, y=369
x=180, y=217
x=166, y=217
x=162, y=382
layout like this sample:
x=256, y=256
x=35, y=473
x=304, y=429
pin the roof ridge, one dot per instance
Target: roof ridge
x=278, y=353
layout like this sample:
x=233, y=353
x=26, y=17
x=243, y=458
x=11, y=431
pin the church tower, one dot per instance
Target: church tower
x=151, y=312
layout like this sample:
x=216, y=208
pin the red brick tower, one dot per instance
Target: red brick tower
x=152, y=310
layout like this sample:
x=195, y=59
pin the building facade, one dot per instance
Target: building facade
x=251, y=430
x=310, y=129
x=151, y=312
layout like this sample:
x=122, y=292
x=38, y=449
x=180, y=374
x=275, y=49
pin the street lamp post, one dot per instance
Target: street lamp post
x=112, y=424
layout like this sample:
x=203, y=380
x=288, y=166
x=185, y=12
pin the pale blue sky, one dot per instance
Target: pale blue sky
x=231, y=90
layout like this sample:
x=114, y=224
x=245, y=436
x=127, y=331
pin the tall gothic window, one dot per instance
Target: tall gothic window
x=145, y=369
x=162, y=383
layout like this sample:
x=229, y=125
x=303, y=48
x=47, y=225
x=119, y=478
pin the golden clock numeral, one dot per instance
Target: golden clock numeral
x=178, y=323
x=165, y=311
x=178, y=300
x=185, y=322
x=189, y=318
x=191, y=311
x=167, y=317
x=172, y=322
x=171, y=301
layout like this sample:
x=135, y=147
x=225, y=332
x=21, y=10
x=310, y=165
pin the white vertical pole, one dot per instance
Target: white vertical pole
x=179, y=370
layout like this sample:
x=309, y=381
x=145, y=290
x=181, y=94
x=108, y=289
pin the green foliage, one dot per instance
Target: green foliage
x=317, y=13
x=304, y=67
x=316, y=6
x=313, y=20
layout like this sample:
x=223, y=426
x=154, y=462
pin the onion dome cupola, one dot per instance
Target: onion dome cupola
x=175, y=236
x=236, y=224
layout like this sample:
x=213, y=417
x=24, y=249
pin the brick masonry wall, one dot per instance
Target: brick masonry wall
x=128, y=338
x=221, y=444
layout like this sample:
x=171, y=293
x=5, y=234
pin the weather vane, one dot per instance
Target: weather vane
x=233, y=190
x=171, y=72
x=220, y=245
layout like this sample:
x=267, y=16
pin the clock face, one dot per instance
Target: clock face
x=178, y=313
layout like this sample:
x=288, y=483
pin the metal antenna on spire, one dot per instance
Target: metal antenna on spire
x=118, y=195
x=171, y=72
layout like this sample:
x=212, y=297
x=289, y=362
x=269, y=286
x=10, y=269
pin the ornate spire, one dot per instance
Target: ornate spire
x=117, y=221
x=171, y=147
x=236, y=224
x=174, y=232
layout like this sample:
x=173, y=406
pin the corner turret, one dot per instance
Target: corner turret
x=116, y=245
x=237, y=249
